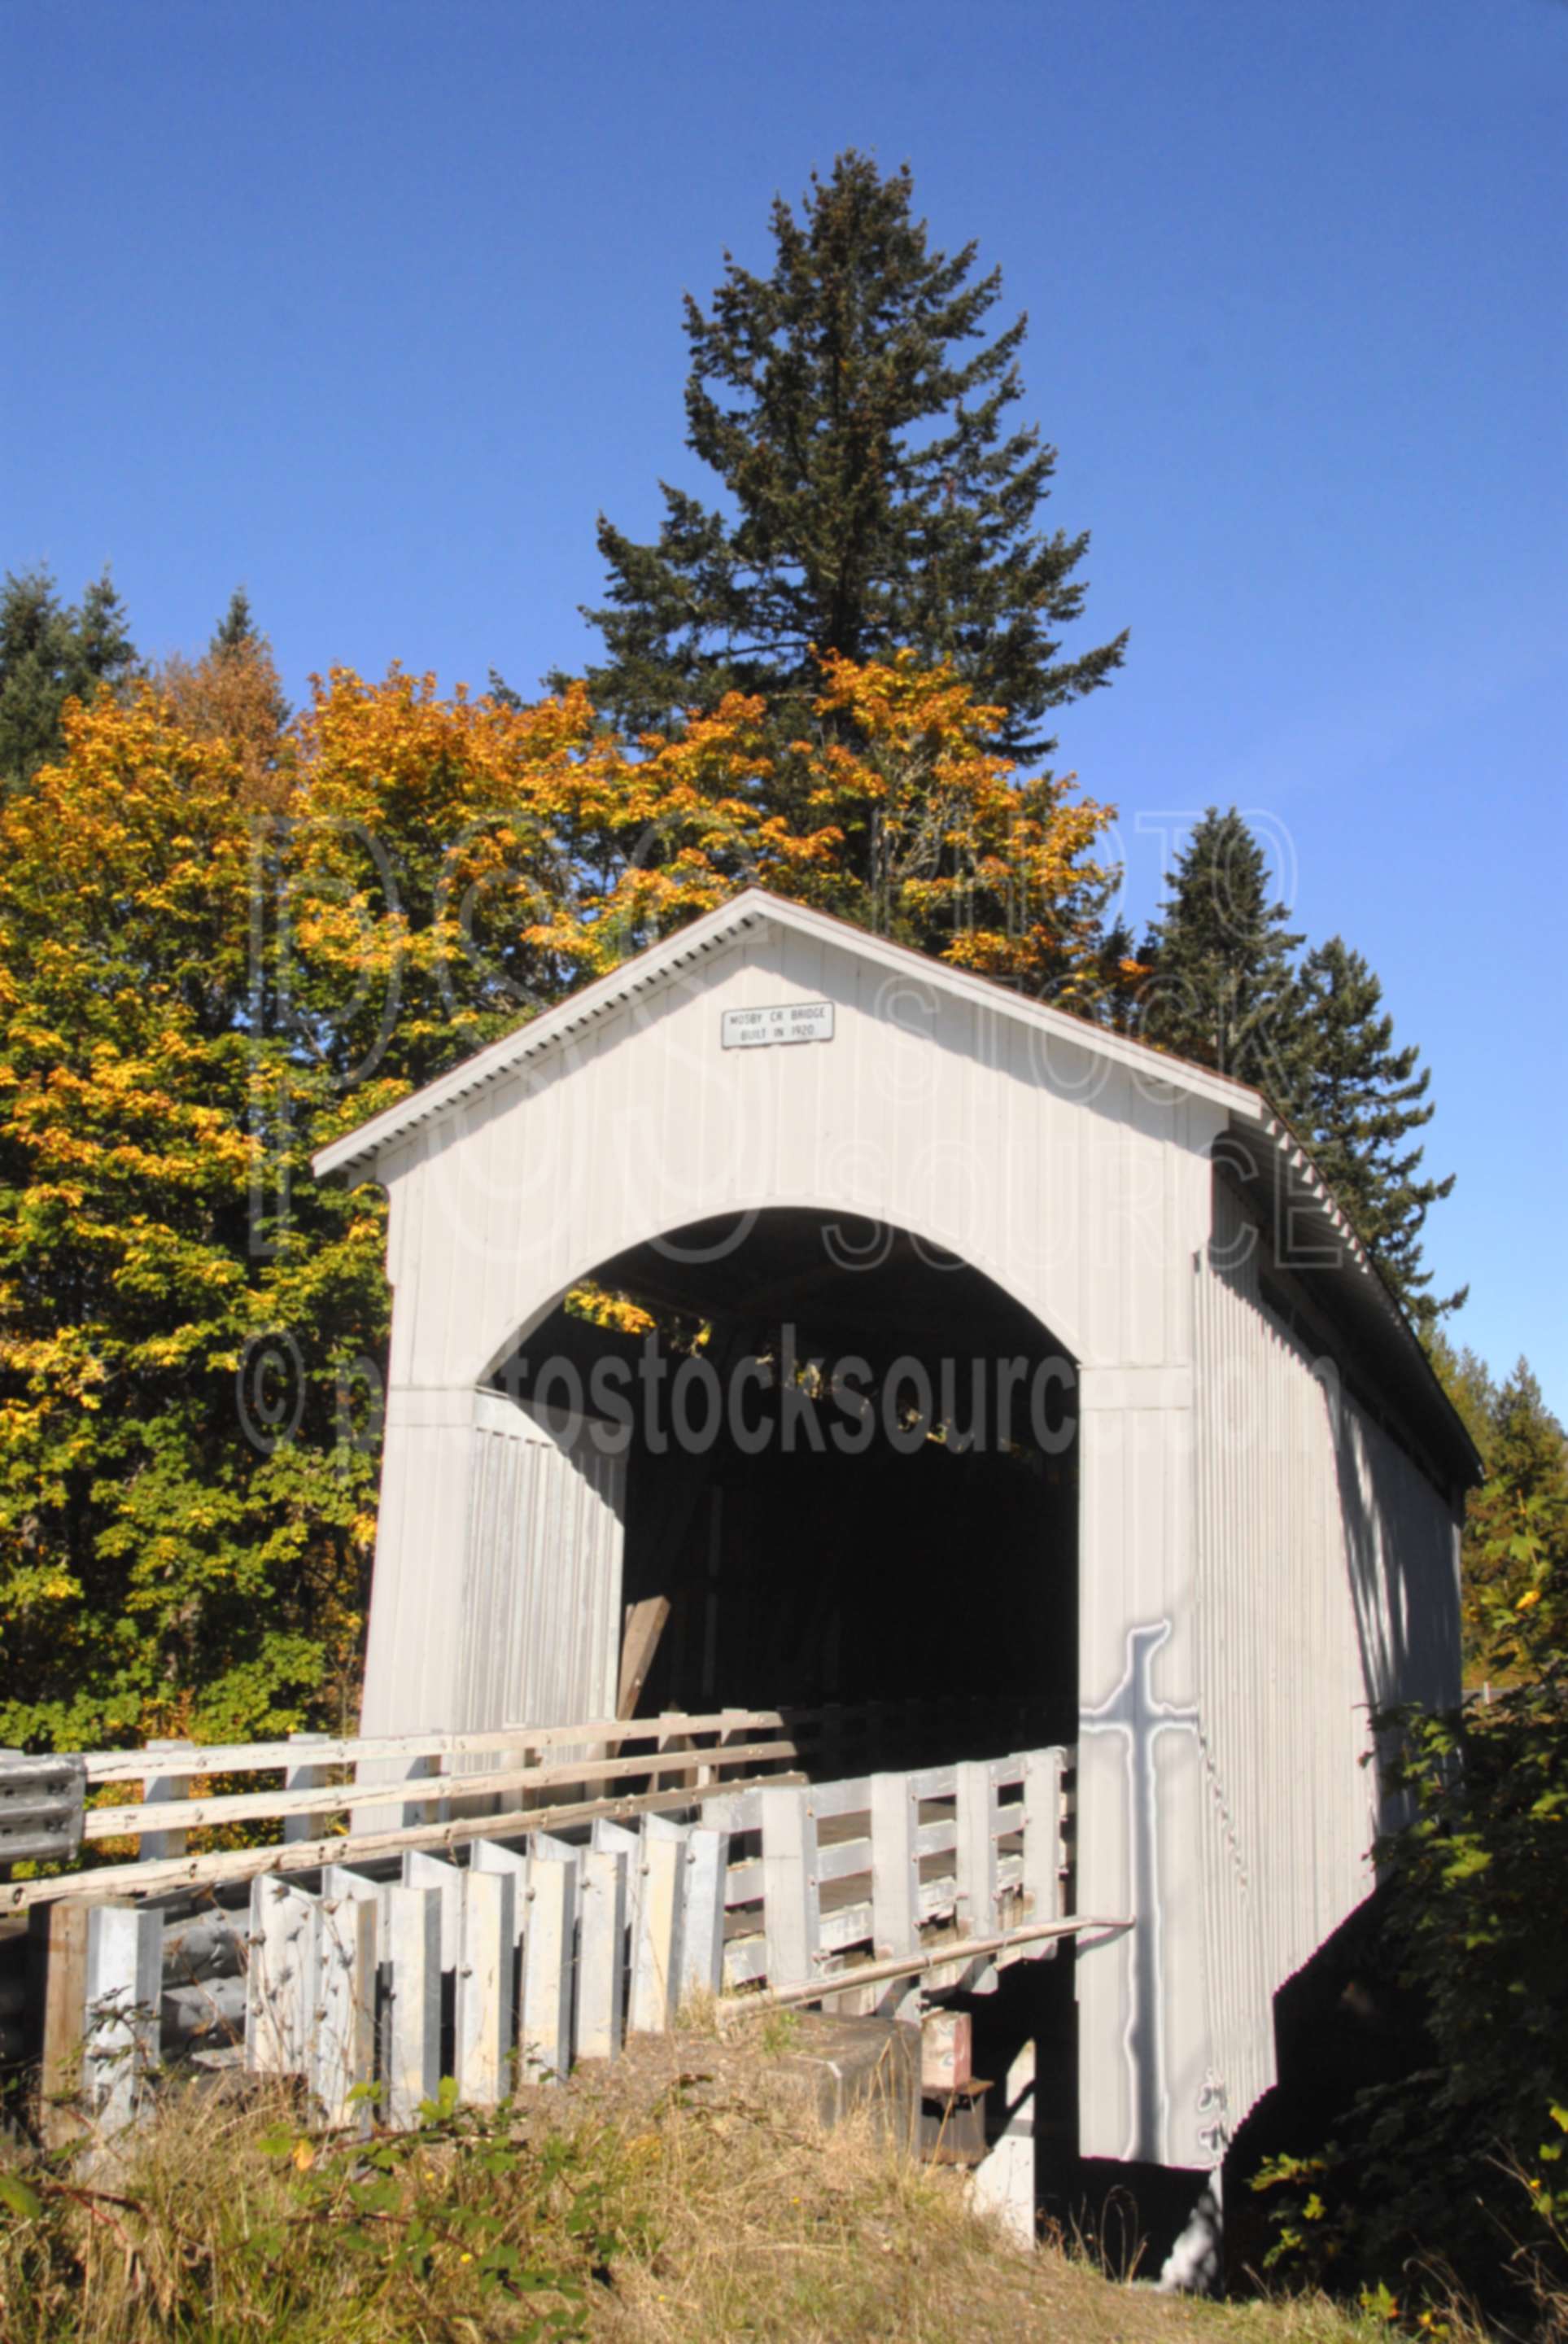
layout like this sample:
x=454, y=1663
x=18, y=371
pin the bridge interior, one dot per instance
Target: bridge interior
x=851, y=1478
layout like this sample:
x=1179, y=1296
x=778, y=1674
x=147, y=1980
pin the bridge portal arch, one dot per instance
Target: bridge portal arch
x=845, y=1469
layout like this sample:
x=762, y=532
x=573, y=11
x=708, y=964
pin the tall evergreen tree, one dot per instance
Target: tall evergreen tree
x=1359, y=1101
x=240, y=668
x=878, y=494
x=49, y=653
x=1224, y=989
x=235, y=630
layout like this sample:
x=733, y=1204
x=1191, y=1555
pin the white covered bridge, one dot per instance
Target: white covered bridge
x=990, y=1353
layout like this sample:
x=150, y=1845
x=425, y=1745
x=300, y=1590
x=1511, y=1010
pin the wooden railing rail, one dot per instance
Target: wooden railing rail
x=428, y=1790
x=244, y=1806
x=260, y=1757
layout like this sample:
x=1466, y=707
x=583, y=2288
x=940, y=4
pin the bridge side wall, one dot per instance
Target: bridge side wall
x=1325, y=1586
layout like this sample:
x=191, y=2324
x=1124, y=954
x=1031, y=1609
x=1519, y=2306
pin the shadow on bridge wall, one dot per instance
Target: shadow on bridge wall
x=1398, y=1532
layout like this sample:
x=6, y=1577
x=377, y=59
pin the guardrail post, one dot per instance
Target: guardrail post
x=281, y=1982
x=412, y=2070
x=507, y=1864
x=702, y=1926
x=159, y=1788
x=791, y=1896
x=1042, y=1773
x=975, y=1814
x=342, y=2045
x=423, y=1871
x=656, y=1955
x=895, y=1882
x=545, y=2036
x=57, y=1962
x=614, y=1839
x=120, y=2039
x=305, y=1776
x=485, y=2007
x=601, y=1964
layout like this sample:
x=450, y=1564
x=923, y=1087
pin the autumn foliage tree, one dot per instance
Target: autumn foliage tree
x=222, y=941
x=158, y=1568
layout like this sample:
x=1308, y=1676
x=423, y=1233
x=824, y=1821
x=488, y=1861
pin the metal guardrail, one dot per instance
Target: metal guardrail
x=41, y=1802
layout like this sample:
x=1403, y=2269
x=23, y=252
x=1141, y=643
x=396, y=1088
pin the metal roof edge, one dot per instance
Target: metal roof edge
x=1416, y=1354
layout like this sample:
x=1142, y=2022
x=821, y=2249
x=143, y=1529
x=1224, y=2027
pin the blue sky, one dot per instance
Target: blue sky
x=372, y=308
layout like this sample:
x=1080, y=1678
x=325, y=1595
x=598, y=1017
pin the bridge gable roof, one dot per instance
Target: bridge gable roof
x=674, y=957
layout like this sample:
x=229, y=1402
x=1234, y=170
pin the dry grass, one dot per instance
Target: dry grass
x=655, y=2204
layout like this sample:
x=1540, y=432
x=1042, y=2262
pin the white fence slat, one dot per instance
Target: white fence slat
x=978, y=1906
x=123, y=2010
x=745, y=1958
x=342, y=2045
x=848, y=1925
x=702, y=1923
x=309, y=1775
x=976, y=1821
x=484, y=2001
x=743, y=1883
x=601, y=1956
x=733, y=1811
x=340, y=1880
x=545, y=2036
x=1042, y=1773
x=845, y=1859
x=895, y=1865
x=280, y=1998
x=851, y=1798
x=411, y=2069
x=934, y=1782
x=656, y=1954
x=422, y=1871
x=791, y=1906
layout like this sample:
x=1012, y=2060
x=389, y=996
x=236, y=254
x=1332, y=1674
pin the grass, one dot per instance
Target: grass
x=648, y=2205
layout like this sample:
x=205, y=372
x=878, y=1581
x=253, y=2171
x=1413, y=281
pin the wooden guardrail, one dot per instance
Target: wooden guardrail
x=506, y=1960
x=343, y=1797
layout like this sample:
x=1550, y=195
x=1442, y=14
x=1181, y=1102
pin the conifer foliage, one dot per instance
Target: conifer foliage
x=1228, y=990
x=1225, y=991
x=1361, y=1098
x=51, y=652
x=878, y=494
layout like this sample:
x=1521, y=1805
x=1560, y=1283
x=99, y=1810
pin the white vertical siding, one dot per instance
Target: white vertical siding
x=1324, y=1591
x=540, y=1610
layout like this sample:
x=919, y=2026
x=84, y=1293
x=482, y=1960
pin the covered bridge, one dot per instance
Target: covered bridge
x=990, y=1350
